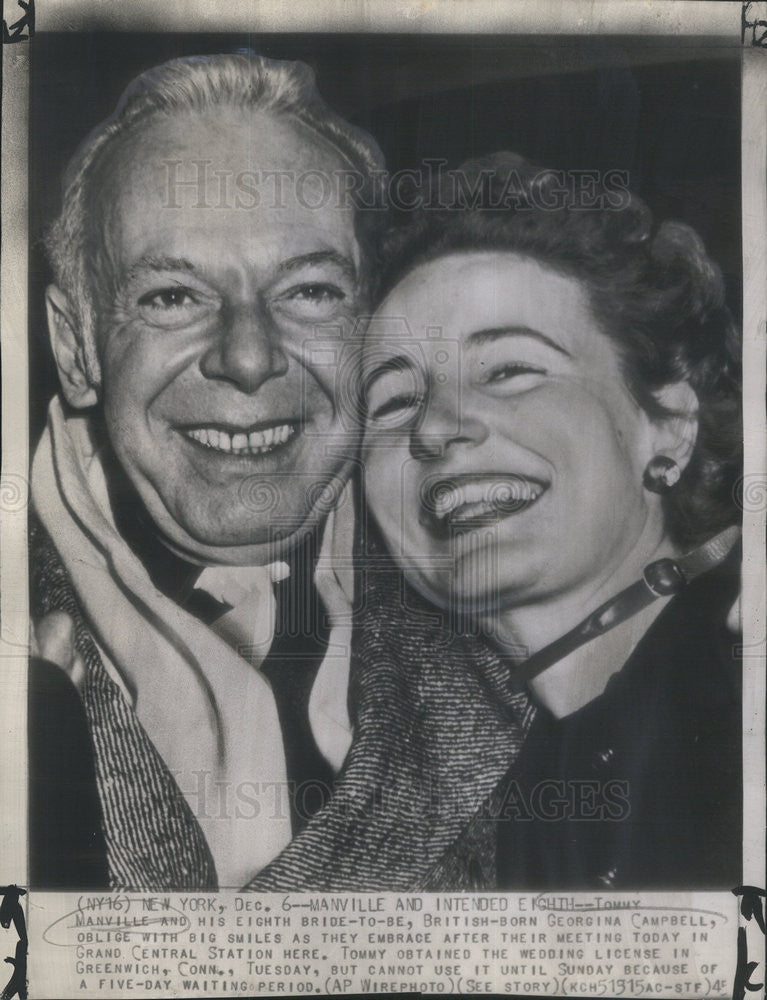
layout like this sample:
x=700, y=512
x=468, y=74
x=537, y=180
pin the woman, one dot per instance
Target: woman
x=554, y=431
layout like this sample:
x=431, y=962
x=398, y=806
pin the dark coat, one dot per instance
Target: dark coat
x=66, y=838
x=642, y=787
x=148, y=830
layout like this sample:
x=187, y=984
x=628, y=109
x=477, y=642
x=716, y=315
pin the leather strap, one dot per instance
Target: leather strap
x=661, y=578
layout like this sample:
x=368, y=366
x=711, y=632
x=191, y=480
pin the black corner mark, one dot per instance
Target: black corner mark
x=758, y=26
x=751, y=906
x=751, y=903
x=11, y=910
x=15, y=32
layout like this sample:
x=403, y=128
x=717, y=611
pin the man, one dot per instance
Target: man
x=210, y=261
x=200, y=427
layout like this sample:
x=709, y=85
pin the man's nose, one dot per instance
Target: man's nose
x=447, y=423
x=246, y=351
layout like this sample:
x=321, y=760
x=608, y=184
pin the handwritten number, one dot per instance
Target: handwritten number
x=11, y=910
x=751, y=906
x=744, y=970
x=751, y=903
x=758, y=40
x=15, y=31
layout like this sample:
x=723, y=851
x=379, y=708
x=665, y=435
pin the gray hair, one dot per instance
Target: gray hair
x=198, y=84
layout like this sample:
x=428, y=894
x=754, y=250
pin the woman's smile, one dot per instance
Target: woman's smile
x=451, y=504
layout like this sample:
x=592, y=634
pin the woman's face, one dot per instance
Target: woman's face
x=503, y=452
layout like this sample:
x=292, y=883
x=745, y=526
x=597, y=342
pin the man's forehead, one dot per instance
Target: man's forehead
x=236, y=159
x=250, y=175
x=255, y=138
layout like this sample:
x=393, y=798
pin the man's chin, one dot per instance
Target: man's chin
x=256, y=522
x=237, y=544
x=221, y=530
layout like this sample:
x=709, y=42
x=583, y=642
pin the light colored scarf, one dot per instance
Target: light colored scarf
x=207, y=711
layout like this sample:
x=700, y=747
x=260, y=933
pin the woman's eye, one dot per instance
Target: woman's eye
x=394, y=394
x=397, y=407
x=500, y=374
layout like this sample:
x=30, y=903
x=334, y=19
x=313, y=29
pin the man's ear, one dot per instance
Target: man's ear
x=676, y=434
x=68, y=350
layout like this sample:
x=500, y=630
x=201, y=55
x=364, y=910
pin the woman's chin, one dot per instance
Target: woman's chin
x=467, y=599
x=479, y=576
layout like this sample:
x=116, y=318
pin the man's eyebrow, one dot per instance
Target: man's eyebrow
x=163, y=263
x=150, y=263
x=491, y=334
x=321, y=257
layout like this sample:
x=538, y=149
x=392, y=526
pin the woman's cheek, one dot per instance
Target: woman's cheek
x=383, y=480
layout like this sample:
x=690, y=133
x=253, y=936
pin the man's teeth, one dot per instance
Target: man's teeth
x=469, y=500
x=254, y=443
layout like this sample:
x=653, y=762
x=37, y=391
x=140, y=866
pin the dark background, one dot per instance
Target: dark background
x=666, y=110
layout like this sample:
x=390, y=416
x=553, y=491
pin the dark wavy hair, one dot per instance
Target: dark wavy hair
x=652, y=289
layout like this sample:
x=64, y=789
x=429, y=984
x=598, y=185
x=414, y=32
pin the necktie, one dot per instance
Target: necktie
x=249, y=591
x=299, y=646
x=288, y=655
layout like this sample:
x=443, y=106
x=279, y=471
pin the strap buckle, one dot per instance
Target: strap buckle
x=664, y=577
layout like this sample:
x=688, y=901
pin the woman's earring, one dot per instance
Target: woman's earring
x=662, y=474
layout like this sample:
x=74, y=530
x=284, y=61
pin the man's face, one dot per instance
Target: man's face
x=224, y=324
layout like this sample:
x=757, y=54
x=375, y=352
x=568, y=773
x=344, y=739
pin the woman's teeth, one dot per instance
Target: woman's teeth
x=461, y=502
x=242, y=443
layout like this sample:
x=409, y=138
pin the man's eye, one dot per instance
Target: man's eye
x=314, y=300
x=168, y=298
x=173, y=307
x=318, y=292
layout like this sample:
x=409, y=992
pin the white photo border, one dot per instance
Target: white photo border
x=727, y=23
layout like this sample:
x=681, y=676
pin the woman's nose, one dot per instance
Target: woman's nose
x=246, y=350
x=445, y=424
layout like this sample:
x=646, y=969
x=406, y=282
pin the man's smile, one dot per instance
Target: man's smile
x=232, y=440
x=465, y=502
